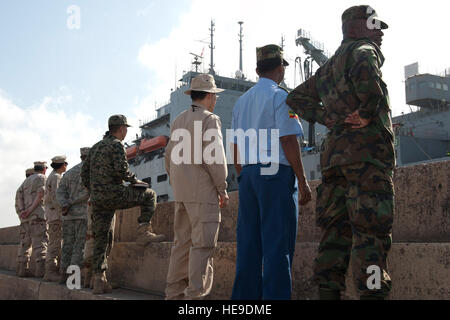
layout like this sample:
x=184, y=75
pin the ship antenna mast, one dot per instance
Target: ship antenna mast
x=240, y=49
x=211, y=46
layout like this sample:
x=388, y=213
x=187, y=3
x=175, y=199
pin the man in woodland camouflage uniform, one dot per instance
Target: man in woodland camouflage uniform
x=355, y=202
x=33, y=229
x=103, y=172
x=72, y=196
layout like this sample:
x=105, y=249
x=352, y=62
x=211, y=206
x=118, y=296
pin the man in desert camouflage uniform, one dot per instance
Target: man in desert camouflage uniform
x=25, y=237
x=73, y=196
x=33, y=229
x=355, y=202
x=53, y=218
x=103, y=172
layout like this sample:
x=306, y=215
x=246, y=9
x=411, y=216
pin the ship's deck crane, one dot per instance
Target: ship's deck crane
x=315, y=52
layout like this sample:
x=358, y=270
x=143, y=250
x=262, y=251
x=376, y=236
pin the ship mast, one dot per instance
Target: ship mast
x=240, y=49
x=211, y=46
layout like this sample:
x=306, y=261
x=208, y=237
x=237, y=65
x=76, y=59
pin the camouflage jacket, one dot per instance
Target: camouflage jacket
x=105, y=169
x=73, y=194
x=350, y=80
x=20, y=201
x=52, y=207
x=32, y=186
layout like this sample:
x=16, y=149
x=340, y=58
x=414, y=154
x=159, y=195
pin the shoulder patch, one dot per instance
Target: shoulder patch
x=293, y=115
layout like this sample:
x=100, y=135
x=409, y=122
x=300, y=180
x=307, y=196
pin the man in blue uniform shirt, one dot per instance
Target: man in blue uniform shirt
x=268, y=212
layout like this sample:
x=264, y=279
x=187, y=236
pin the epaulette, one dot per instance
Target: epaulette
x=283, y=88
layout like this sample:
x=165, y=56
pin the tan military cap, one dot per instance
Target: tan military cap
x=204, y=83
x=363, y=12
x=84, y=151
x=29, y=171
x=271, y=51
x=59, y=159
x=41, y=163
x=118, y=120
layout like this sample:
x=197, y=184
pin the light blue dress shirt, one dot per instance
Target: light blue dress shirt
x=261, y=108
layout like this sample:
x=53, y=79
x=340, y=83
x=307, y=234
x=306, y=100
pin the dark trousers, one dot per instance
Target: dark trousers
x=266, y=234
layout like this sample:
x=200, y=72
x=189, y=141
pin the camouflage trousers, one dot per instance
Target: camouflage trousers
x=33, y=235
x=355, y=207
x=74, y=238
x=89, y=245
x=103, y=214
x=52, y=259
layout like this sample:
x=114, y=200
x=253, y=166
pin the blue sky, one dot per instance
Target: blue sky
x=59, y=86
x=41, y=56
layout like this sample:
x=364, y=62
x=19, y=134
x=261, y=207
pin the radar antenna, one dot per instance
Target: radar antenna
x=197, y=60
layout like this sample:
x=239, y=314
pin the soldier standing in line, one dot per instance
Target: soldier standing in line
x=72, y=197
x=355, y=202
x=53, y=218
x=25, y=237
x=104, y=172
x=29, y=172
x=33, y=229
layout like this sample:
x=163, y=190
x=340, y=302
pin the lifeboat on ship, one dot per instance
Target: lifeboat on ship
x=149, y=145
x=132, y=152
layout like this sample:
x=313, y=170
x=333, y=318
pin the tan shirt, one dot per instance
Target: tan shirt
x=52, y=207
x=31, y=187
x=197, y=181
x=20, y=201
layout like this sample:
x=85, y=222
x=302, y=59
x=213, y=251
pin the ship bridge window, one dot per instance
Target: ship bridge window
x=162, y=198
x=422, y=85
x=431, y=84
x=445, y=87
x=438, y=85
x=162, y=178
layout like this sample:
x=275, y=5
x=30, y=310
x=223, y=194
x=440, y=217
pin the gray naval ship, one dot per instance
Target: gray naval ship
x=420, y=136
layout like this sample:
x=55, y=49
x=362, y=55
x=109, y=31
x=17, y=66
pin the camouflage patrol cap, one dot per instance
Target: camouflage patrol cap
x=84, y=151
x=59, y=159
x=118, y=120
x=270, y=51
x=364, y=12
x=29, y=171
x=41, y=163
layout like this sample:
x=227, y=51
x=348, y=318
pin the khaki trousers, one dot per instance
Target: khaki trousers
x=33, y=236
x=196, y=229
x=53, y=256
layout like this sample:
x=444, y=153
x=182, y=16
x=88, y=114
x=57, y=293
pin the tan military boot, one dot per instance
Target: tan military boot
x=145, y=235
x=51, y=274
x=87, y=277
x=40, y=269
x=101, y=284
x=63, y=278
x=23, y=271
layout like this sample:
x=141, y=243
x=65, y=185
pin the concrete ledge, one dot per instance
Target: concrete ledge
x=422, y=210
x=8, y=257
x=418, y=271
x=14, y=288
x=9, y=235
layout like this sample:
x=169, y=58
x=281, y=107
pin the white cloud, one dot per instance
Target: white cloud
x=38, y=132
x=415, y=34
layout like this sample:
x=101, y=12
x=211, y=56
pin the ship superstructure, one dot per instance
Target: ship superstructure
x=420, y=136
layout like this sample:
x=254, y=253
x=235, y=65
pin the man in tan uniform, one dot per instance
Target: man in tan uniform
x=199, y=187
x=25, y=238
x=53, y=217
x=33, y=229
